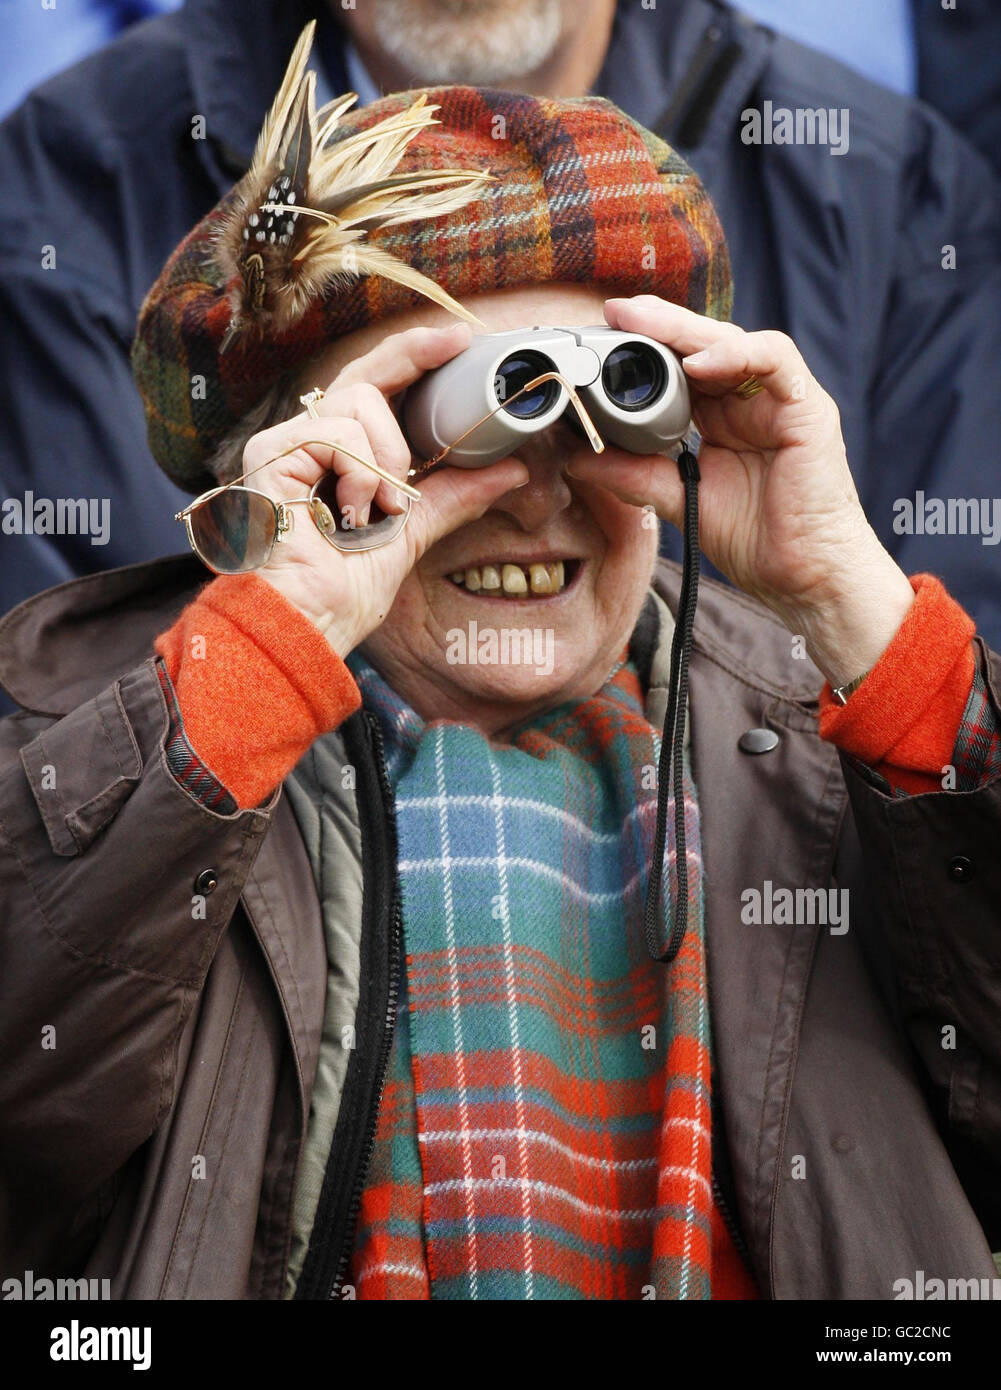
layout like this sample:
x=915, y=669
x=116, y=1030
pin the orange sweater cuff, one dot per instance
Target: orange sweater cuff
x=256, y=683
x=904, y=718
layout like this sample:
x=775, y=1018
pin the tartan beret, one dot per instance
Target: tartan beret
x=580, y=192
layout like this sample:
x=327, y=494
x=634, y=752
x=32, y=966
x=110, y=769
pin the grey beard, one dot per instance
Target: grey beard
x=483, y=44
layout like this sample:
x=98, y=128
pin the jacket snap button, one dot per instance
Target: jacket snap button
x=961, y=868
x=842, y=1143
x=758, y=741
x=206, y=882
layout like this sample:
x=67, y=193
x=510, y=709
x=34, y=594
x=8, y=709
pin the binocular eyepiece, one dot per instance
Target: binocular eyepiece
x=476, y=406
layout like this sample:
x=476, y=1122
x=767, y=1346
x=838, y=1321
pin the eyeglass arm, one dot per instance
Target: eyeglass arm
x=594, y=438
x=331, y=444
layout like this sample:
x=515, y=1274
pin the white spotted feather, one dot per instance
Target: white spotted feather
x=301, y=213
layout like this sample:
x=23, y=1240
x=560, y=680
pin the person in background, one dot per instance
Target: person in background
x=876, y=40
x=42, y=38
x=945, y=54
x=881, y=261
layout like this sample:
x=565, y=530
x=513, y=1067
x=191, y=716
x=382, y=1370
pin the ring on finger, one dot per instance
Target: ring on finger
x=749, y=388
x=310, y=398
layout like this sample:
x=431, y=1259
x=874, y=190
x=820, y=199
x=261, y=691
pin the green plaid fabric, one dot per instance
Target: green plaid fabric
x=544, y=1131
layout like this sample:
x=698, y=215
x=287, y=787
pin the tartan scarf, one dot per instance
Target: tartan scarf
x=544, y=1130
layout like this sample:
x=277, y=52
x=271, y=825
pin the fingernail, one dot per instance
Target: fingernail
x=696, y=358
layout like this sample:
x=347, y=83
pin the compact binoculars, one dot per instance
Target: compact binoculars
x=624, y=388
x=476, y=407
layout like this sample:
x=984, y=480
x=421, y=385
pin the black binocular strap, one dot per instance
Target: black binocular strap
x=670, y=771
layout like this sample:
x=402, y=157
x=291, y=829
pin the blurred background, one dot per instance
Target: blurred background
x=946, y=54
x=43, y=39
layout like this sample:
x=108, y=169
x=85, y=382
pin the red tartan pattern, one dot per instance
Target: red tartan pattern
x=977, y=757
x=390, y=1259
x=582, y=193
x=184, y=763
x=545, y=1154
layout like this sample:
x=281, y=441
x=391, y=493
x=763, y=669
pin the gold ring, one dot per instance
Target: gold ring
x=749, y=388
x=310, y=399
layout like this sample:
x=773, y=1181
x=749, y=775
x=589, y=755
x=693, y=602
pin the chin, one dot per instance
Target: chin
x=499, y=665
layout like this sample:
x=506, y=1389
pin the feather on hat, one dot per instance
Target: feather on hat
x=299, y=220
x=349, y=216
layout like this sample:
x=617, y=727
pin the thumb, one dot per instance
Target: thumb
x=453, y=496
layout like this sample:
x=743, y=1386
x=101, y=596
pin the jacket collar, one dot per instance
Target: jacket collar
x=686, y=67
x=236, y=56
x=67, y=644
x=772, y=818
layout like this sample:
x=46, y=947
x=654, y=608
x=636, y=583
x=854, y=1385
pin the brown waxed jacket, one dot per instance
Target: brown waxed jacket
x=858, y=1072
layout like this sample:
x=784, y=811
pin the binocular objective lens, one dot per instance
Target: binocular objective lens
x=517, y=371
x=633, y=376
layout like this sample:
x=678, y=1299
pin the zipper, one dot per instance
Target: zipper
x=362, y=1170
x=721, y=1165
x=389, y=1020
x=730, y=1221
x=332, y=1236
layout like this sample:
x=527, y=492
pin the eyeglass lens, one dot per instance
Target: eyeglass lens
x=340, y=528
x=234, y=530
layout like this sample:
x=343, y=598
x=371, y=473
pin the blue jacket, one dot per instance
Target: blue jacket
x=103, y=173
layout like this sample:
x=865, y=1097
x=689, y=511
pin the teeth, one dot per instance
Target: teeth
x=538, y=577
x=513, y=579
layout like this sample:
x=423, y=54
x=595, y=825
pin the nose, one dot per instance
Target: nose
x=547, y=493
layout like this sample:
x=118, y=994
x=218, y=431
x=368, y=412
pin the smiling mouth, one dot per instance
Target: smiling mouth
x=505, y=580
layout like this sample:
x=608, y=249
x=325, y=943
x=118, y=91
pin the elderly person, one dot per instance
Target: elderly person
x=326, y=971
x=884, y=265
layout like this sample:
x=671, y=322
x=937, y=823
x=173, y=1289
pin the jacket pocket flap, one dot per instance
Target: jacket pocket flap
x=82, y=770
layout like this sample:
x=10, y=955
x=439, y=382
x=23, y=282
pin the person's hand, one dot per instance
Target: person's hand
x=779, y=513
x=347, y=595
